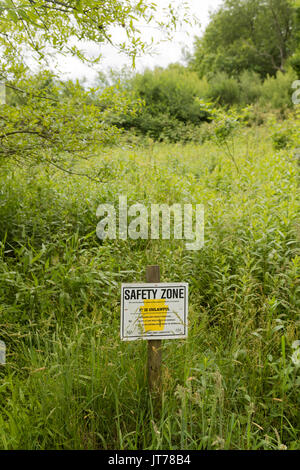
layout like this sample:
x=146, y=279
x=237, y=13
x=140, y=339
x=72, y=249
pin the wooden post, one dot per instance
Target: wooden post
x=154, y=346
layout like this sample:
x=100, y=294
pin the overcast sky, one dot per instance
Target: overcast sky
x=166, y=52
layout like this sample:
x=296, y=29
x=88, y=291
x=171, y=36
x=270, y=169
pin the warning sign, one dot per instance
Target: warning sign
x=154, y=311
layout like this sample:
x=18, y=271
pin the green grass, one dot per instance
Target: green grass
x=70, y=383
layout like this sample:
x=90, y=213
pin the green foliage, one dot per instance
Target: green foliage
x=286, y=134
x=258, y=36
x=225, y=126
x=184, y=133
x=175, y=98
x=45, y=119
x=43, y=27
x=172, y=91
x=294, y=62
x=172, y=107
x=250, y=87
x=224, y=90
x=69, y=382
x=246, y=42
x=173, y=104
x=277, y=91
x=272, y=93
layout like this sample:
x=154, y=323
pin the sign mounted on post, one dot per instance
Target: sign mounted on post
x=154, y=311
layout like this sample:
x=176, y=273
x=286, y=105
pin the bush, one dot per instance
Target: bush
x=224, y=90
x=170, y=104
x=294, y=62
x=255, y=115
x=172, y=91
x=250, y=87
x=277, y=92
x=173, y=104
x=287, y=134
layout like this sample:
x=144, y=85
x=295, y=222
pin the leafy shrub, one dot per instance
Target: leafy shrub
x=173, y=91
x=170, y=104
x=229, y=91
x=254, y=114
x=154, y=125
x=281, y=138
x=187, y=133
x=287, y=133
x=277, y=91
x=224, y=90
x=294, y=62
x=250, y=87
x=173, y=104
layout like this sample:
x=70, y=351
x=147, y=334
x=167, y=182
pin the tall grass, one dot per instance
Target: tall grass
x=71, y=383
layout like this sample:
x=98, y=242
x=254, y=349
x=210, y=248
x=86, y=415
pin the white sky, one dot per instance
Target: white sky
x=166, y=52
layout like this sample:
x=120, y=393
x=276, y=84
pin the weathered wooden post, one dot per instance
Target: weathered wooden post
x=154, y=311
x=154, y=345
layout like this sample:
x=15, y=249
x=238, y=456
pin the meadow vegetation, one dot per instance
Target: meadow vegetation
x=221, y=131
x=70, y=383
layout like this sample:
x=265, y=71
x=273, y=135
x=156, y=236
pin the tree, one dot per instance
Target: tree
x=257, y=35
x=47, y=120
x=48, y=26
x=43, y=121
x=294, y=59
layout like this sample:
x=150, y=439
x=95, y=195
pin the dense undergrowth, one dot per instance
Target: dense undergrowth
x=234, y=383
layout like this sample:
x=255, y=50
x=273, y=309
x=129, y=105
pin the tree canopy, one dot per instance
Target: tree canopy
x=48, y=27
x=257, y=35
x=43, y=117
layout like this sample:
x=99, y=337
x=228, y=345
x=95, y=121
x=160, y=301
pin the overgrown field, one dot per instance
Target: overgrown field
x=70, y=383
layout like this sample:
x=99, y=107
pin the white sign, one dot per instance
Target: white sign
x=154, y=311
